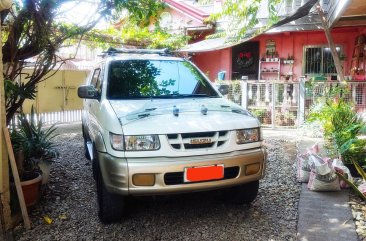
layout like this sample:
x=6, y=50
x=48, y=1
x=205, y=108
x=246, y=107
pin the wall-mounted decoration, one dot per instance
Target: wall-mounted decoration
x=270, y=46
x=245, y=59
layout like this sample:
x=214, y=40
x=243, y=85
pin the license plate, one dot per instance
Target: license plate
x=203, y=173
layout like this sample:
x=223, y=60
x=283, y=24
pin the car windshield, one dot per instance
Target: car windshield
x=129, y=79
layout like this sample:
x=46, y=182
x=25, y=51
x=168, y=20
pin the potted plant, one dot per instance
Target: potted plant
x=267, y=118
x=267, y=56
x=342, y=128
x=342, y=56
x=259, y=113
x=290, y=59
x=36, y=142
x=280, y=119
x=290, y=118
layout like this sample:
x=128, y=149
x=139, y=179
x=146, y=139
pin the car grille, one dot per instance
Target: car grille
x=198, y=140
x=175, y=178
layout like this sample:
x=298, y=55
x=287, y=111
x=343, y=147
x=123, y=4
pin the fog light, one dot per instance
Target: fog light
x=143, y=179
x=252, y=169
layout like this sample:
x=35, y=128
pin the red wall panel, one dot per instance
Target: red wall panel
x=287, y=43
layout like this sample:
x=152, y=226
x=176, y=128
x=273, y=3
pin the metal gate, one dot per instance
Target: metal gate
x=276, y=104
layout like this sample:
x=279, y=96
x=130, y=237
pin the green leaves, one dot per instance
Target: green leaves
x=342, y=126
x=140, y=12
x=352, y=185
x=19, y=90
x=242, y=16
x=33, y=138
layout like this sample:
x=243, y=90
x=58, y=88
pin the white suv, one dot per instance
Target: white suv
x=154, y=124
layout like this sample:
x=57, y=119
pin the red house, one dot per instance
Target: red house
x=276, y=61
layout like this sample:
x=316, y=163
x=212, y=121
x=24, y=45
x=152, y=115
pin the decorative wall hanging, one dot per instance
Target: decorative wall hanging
x=245, y=59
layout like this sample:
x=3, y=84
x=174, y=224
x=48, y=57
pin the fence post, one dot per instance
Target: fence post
x=302, y=96
x=244, y=94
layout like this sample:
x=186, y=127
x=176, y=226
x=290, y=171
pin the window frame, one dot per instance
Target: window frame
x=97, y=81
x=322, y=46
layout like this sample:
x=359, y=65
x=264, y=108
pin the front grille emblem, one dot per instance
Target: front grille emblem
x=198, y=141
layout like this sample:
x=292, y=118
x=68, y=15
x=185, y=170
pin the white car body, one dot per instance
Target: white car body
x=193, y=132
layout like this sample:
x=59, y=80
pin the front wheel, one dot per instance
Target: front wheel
x=243, y=194
x=111, y=206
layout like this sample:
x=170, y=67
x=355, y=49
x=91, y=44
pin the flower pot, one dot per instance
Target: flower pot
x=267, y=120
x=45, y=167
x=31, y=190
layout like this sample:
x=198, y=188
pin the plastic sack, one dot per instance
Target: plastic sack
x=321, y=166
x=327, y=182
x=342, y=169
x=303, y=168
x=362, y=188
x=322, y=176
x=304, y=164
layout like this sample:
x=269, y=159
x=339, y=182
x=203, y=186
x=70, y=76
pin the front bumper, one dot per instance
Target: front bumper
x=117, y=172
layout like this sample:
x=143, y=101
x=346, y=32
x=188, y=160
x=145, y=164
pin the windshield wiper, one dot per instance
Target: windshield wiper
x=180, y=96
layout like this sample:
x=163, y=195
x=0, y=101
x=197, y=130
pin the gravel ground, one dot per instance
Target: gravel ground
x=359, y=215
x=70, y=201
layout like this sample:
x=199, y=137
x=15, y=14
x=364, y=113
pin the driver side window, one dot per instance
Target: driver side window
x=97, y=79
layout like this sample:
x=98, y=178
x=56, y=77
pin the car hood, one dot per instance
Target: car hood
x=164, y=116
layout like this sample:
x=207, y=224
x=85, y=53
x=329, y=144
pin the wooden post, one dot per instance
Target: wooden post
x=16, y=178
x=333, y=49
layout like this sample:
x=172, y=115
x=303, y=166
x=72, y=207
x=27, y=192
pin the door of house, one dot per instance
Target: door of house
x=245, y=60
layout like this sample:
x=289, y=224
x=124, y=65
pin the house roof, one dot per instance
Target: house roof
x=340, y=13
x=353, y=15
x=298, y=20
x=189, y=10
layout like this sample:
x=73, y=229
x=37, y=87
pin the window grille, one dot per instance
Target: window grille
x=319, y=60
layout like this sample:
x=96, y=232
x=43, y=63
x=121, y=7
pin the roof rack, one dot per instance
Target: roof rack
x=113, y=51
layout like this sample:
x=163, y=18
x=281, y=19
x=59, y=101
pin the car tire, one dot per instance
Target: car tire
x=111, y=206
x=243, y=194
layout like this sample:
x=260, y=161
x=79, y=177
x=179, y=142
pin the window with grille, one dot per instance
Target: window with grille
x=319, y=60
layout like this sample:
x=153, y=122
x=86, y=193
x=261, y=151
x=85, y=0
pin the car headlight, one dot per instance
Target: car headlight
x=134, y=143
x=142, y=143
x=247, y=135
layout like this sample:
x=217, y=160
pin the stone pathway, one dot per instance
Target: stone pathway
x=324, y=215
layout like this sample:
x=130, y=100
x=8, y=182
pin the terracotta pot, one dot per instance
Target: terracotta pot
x=31, y=190
x=267, y=120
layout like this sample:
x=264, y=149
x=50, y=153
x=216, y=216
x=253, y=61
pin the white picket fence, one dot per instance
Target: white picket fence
x=50, y=118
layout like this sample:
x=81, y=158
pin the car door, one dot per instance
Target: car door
x=94, y=104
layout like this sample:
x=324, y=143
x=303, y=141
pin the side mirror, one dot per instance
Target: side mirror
x=88, y=92
x=223, y=89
